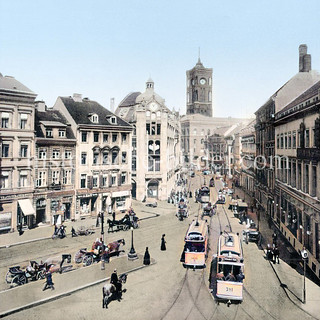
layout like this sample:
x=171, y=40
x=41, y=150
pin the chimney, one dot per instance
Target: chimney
x=77, y=97
x=112, y=104
x=304, y=59
x=41, y=106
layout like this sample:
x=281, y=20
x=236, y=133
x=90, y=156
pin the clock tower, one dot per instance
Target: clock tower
x=199, y=90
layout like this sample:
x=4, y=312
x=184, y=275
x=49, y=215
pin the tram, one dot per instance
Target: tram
x=230, y=268
x=195, y=247
x=204, y=194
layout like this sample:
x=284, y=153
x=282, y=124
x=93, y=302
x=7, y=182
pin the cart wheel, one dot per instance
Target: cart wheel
x=9, y=277
x=87, y=260
x=19, y=280
x=78, y=259
x=125, y=227
x=41, y=275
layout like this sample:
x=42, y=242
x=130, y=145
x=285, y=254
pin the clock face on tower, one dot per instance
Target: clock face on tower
x=153, y=106
x=203, y=81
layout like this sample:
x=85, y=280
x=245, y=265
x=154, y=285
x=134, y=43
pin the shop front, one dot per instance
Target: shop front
x=25, y=214
x=121, y=200
x=41, y=210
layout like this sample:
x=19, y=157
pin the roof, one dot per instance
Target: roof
x=309, y=93
x=79, y=111
x=10, y=83
x=229, y=242
x=51, y=118
x=129, y=100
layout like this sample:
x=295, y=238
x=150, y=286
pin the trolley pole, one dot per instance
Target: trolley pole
x=304, y=254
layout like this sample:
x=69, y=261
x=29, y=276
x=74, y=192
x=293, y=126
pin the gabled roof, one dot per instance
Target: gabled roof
x=80, y=112
x=11, y=84
x=129, y=100
x=49, y=118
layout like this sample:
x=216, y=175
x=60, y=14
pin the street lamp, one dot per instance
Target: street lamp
x=102, y=238
x=304, y=254
x=132, y=255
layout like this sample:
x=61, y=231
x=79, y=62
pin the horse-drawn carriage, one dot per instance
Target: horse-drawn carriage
x=123, y=224
x=97, y=253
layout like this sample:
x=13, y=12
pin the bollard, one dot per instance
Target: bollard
x=102, y=264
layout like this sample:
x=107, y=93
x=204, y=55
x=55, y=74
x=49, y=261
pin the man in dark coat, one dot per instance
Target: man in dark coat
x=146, y=258
x=163, y=243
x=114, y=277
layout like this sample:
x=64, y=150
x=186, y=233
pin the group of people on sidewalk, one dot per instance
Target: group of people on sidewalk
x=272, y=252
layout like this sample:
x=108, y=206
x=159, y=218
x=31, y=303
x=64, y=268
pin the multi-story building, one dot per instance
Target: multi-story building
x=103, y=156
x=216, y=146
x=17, y=154
x=297, y=193
x=199, y=90
x=155, y=143
x=247, y=158
x=55, y=165
x=265, y=136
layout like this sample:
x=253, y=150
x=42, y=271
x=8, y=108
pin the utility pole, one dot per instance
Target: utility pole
x=304, y=254
x=102, y=237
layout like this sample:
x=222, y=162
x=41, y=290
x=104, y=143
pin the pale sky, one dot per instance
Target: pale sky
x=105, y=48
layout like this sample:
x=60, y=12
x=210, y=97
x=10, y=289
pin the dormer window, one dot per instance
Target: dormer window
x=49, y=133
x=113, y=120
x=94, y=118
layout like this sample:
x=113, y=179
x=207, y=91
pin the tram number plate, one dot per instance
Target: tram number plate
x=228, y=289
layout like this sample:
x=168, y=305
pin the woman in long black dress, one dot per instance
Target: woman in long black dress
x=146, y=258
x=163, y=243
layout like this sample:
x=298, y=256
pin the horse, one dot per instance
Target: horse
x=113, y=247
x=109, y=291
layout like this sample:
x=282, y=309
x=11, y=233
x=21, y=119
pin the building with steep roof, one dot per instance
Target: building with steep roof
x=155, y=143
x=103, y=156
x=297, y=193
x=265, y=131
x=55, y=166
x=17, y=155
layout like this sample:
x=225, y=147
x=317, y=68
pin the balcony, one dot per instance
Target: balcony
x=54, y=186
x=308, y=154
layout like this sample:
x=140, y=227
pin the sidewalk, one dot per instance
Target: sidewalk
x=31, y=294
x=290, y=270
x=46, y=231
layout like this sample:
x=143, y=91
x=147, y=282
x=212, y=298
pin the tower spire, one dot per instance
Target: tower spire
x=199, y=54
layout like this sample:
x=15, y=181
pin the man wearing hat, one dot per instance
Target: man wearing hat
x=114, y=277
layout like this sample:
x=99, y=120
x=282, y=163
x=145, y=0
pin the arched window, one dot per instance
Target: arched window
x=195, y=131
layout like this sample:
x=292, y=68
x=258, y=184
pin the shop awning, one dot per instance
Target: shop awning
x=26, y=207
x=120, y=194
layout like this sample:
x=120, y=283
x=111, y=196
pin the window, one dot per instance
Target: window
x=62, y=133
x=23, y=179
x=148, y=128
x=95, y=158
x=83, y=181
x=123, y=137
x=114, y=137
x=285, y=141
x=307, y=138
x=123, y=177
x=314, y=182
x=294, y=140
x=158, y=128
x=113, y=180
x=289, y=140
x=42, y=154
x=105, y=156
x=158, y=114
x=55, y=177
x=66, y=179
x=278, y=141
x=55, y=154
x=67, y=154
x=104, y=181
x=4, y=120
x=41, y=181
x=113, y=120
x=84, y=136
x=114, y=157
x=49, y=133
x=23, y=120
x=194, y=132
x=95, y=181
x=105, y=137
x=5, y=150
x=96, y=137
x=124, y=157
x=306, y=179
x=281, y=141
x=24, y=151
x=148, y=113
x=94, y=118
x=83, y=158
x=4, y=180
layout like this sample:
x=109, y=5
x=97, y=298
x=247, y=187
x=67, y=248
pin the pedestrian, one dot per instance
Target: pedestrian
x=274, y=238
x=55, y=229
x=276, y=255
x=98, y=217
x=114, y=216
x=146, y=258
x=240, y=276
x=73, y=232
x=49, y=283
x=163, y=243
